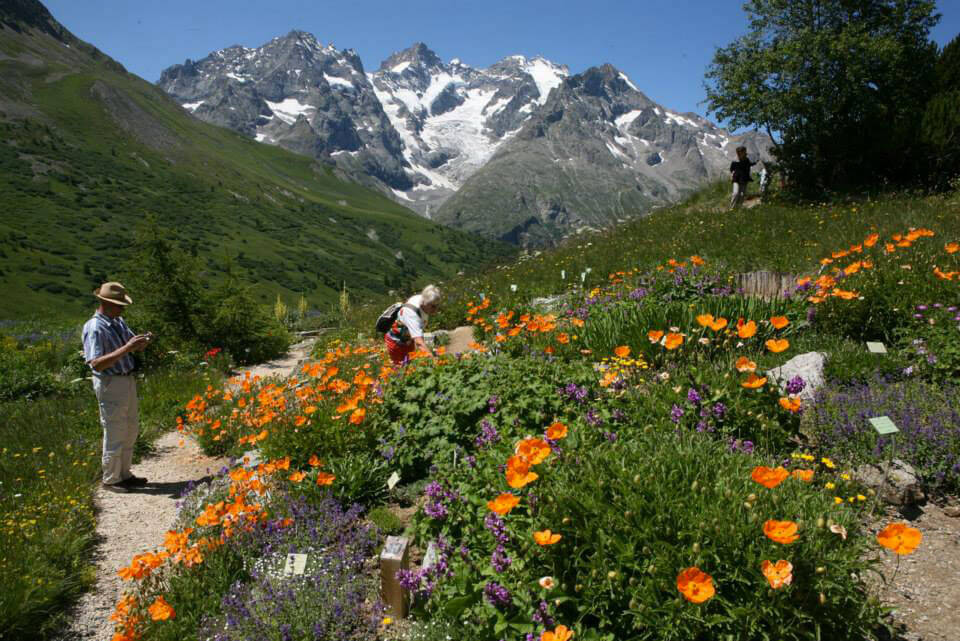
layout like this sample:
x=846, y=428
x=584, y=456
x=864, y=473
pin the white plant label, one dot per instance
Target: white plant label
x=295, y=565
x=393, y=480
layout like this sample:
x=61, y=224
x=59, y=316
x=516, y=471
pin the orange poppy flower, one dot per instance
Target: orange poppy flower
x=556, y=431
x=844, y=294
x=654, y=335
x=503, y=503
x=840, y=254
x=747, y=330
x=300, y=420
x=546, y=537
x=769, y=477
x=695, y=586
x=357, y=416
x=871, y=240
x=314, y=461
x=499, y=338
x=705, y=320
x=900, y=537
x=325, y=479
x=296, y=477
x=563, y=338
x=777, y=345
x=518, y=473
x=560, y=633
x=515, y=330
x=792, y=405
x=744, y=365
x=673, y=341
x=622, y=351
x=696, y=260
x=952, y=248
x=779, y=322
x=783, y=532
x=718, y=324
x=803, y=281
x=778, y=574
x=533, y=450
x=160, y=610
x=803, y=475
x=577, y=322
x=754, y=382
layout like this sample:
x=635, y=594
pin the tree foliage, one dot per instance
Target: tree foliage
x=185, y=313
x=941, y=120
x=840, y=86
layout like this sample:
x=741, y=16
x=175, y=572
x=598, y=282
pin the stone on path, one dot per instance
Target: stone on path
x=807, y=366
x=895, y=482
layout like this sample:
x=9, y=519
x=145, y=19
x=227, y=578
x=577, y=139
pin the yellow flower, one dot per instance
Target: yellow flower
x=861, y=497
x=387, y=621
x=837, y=500
x=830, y=486
x=828, y=463
x=845, y=477
x=806, y=457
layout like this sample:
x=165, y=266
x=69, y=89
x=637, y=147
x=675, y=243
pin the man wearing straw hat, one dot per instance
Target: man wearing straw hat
x=107, y=347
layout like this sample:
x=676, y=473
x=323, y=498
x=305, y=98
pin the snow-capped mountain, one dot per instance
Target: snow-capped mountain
x=452, y=117
x=450, y=140
x=597, y=151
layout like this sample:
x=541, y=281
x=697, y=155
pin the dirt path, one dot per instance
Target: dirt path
x=925, y=590
x=128, y=524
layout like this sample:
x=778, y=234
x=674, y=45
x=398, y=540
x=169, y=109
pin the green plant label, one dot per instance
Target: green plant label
x=296, y=564
x=876, y=348
x=393, y=480
x=883, y=425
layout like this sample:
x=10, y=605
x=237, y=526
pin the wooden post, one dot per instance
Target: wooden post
x=393, y=558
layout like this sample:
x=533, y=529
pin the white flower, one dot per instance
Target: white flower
x=513, y=288
x=547, y=582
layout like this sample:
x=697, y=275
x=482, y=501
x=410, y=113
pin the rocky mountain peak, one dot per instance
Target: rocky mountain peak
x=31, y=14
x=418, y=54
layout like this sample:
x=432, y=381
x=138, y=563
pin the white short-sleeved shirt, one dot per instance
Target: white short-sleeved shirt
x=410, y=319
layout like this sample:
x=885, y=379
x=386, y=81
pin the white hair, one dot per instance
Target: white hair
x=430, y=295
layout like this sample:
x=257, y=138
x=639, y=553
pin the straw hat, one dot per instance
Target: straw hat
x=113, y=293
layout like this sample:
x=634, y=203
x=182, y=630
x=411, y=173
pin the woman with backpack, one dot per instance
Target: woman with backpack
x=405, y=333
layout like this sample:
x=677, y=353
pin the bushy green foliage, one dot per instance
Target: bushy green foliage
x=433, y=414
x=632, y=515
x=827, y=77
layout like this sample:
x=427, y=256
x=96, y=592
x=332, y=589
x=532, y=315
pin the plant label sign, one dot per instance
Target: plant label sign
x=295, y=565
x=393, y=480
x=876, y=348
x=884, y=425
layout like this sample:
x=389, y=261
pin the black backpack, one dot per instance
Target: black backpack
x=389, y=316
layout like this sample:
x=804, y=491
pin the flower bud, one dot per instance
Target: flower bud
x=823, y=599
x=821, y=569
x=627, y=514
x=566, y=520
x=612, y=574
x=748, y=505
x=696, y=548
x=752, y=497
x=578, y=587
x=821, y=523
x=637, y=479
x=693, y=486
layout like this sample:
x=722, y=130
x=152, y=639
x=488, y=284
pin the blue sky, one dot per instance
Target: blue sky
x=663, y=45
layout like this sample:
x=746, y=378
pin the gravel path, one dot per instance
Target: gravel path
x=925, y=591
x=128, y=524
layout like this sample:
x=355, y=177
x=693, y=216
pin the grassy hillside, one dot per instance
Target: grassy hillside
x=777, y=236
x=88, y=150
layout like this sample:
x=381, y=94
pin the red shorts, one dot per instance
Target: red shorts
x=399, y=352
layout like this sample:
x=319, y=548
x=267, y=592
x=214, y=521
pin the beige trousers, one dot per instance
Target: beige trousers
x=119, y=417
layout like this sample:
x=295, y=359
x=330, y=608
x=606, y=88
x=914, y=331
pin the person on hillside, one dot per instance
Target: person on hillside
x=740, y=177
x=764, y=180
x=406, y=334
x=108, y=344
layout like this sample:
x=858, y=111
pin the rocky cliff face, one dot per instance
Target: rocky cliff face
x=520, y=150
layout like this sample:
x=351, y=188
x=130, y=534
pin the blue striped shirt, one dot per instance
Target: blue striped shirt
x=103, y=335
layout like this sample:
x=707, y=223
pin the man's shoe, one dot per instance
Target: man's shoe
x=135, y=481
x=119, y=488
